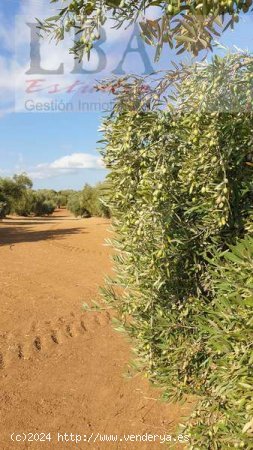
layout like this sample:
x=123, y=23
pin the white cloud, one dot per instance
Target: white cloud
x=78, y=161
x=68, y=164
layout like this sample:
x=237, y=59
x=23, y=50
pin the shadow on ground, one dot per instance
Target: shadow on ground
x=36, y=220
x=17, y=235
x=30, y=222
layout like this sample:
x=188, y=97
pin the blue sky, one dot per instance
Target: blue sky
x=59, y=149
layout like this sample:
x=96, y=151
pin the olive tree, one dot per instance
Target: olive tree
x=189, y=25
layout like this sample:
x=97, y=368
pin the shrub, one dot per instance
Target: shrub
x=48, y=207
x=13, y=191
x=25, y=205
x=17, y=196
x=181, y=191
x=4, y=209
x=4, y=205
x=42, y=207
x=48, y=195
x=74, y=205
x=89, y=202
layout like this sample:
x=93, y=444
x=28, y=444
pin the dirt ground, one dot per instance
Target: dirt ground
x=61, y=368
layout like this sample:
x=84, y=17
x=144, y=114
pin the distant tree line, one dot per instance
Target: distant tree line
x=18, y=197
x=91, y=201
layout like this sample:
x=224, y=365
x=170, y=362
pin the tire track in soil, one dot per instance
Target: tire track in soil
x=45, y=337
x=72, y=248
x=61, y=371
